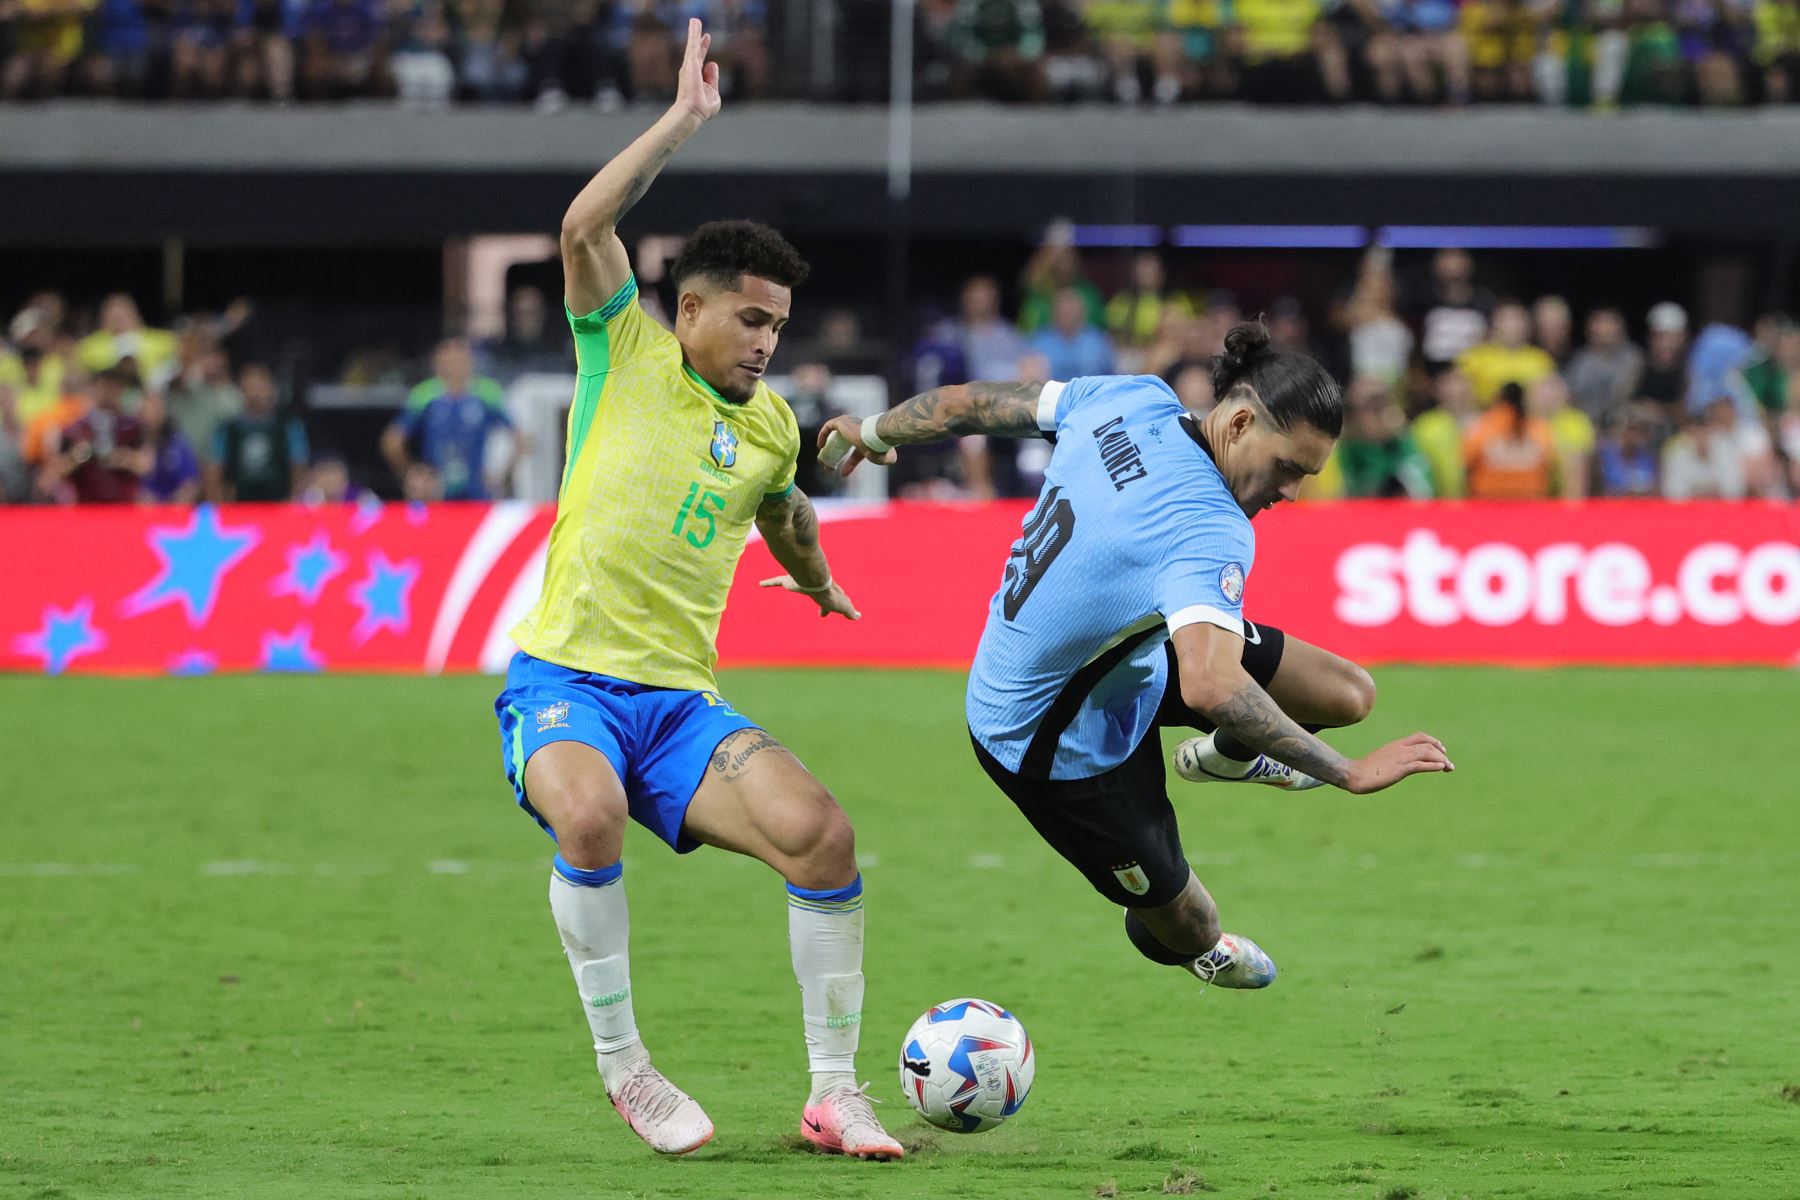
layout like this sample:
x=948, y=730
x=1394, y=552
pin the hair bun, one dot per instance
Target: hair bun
x=1246, y=344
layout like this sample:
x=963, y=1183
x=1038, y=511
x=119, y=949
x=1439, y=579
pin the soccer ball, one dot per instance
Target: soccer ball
x=966, y=1065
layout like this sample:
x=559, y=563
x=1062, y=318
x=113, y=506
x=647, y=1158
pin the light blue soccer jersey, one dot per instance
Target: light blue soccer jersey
x=1134, y=536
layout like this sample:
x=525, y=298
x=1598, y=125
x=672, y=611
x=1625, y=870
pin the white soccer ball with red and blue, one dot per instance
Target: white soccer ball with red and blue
x=966, y=1065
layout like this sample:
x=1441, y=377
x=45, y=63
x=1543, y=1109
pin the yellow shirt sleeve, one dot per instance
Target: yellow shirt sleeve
x=783, y=482
x=612, y=334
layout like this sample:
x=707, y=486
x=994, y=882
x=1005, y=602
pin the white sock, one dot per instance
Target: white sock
x=595, y=926
x=1217, y=763
x=825, y=935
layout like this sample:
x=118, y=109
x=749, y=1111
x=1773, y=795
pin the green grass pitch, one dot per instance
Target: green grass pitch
x=287, y=937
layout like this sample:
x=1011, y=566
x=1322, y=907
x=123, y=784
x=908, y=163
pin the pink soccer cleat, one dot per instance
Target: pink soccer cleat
x=844, y=1122
x=666, y=1117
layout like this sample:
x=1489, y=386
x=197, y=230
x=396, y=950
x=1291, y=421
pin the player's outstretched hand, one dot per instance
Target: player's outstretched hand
x=697, y=91
x=831, y=600
x=1395, y=761
x=848, y=431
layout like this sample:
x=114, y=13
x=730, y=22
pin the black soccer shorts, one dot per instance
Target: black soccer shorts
x=1118, y=828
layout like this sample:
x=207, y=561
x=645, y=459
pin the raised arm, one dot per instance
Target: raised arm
x=595, y=265
x=996, y=409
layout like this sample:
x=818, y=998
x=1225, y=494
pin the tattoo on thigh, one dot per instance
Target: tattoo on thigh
x=732, y=758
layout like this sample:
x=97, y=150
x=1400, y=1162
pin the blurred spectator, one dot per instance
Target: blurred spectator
x=1125, y=32
x=651, y=53
x=1056, y=265
x=1288, y=329
x=1714, y=457
x=423, y=62
x=46, y=42
x=1604, y=373
x=998, y=48
x=940, y=357
x=202, y=34
x=258, y=454
x=839, y=344
x=447, y=425
x=808, y=395
x=1193, y=386
x=1380, y=343
x=532, y=342
x=99, y=457
x=1285, y=53
x=991, y=345
x=329, y=483
x=1787, y=430
x=33, y=373
x=119, y=50
x=1715, y=367
x=1553, y=329
x=1664, y=379
x=43, y=430
x=1716, y=38
x=266, y=49
x=1453, y=315
x=1507, y=357
x=123, y=334
x=1440, y=431
x=173, y=470
x=1628, y=464
x=203, y=397
x=346, y=51
x=1509, y=454
x=1135, y=315
x=1775, y=354
x=1070, y=345
x=1416, y=41
x=1570, y=430
x=15, y=480
x=1778, y=49
x=1376, y=455
x=1502, y=39
x=1186, y=342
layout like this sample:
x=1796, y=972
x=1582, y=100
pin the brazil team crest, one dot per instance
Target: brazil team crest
x=553, y=716
x=724, y=445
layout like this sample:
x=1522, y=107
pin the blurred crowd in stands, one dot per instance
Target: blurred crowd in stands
x=1451, y=391
x=1600, y=53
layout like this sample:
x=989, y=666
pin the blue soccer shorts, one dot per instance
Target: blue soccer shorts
x=658, y=740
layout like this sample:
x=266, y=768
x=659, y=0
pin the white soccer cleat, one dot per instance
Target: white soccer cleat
x=1236, y=962
x=844, y=1122
x=666, y=1117
x=1197, y=762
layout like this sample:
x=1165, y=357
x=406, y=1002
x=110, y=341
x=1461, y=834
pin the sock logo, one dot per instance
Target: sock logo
x=611, y=998
x=843, y=1020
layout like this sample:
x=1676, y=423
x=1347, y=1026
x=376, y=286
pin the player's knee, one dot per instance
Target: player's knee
x=590, y=826
x=822, y=850
x=1355, y=696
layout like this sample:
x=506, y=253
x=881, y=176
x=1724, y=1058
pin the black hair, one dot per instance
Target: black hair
x=1291, y=387
x=723, y=252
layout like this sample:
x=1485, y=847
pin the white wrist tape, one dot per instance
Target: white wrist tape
x=870, y=438
x=815, y=591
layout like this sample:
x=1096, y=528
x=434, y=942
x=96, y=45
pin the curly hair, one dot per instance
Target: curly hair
x=723, y=252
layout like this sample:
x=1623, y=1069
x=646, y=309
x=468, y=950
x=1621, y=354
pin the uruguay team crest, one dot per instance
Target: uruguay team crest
x=1131, y=877
x=724, y=444
x=1231, y=582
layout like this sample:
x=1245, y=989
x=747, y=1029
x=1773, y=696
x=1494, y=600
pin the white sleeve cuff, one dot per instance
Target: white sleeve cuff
x=1047, y=405
x=1196, y=614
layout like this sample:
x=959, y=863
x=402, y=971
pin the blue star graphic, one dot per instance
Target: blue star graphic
x=310, y=568
x=291, y=652
x=384, y=595
x=193, y=662
x=194, y=560
x=66, y=633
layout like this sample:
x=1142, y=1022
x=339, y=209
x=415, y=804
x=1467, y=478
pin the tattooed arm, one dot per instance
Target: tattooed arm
x=790, y=527
x=594, y=262
x=999, y=409
x=1215, y=685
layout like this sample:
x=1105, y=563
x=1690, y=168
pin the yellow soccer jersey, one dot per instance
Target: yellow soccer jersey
x=660, y=486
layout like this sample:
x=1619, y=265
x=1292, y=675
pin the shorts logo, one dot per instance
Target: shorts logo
x=1231, y=582
x=724, y=444
x=1131, y=877
x=554, y=716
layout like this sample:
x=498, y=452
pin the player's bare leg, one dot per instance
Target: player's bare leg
x=757, y=799
x=1185, y=933
x=575, y=789
x=1315, y=687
